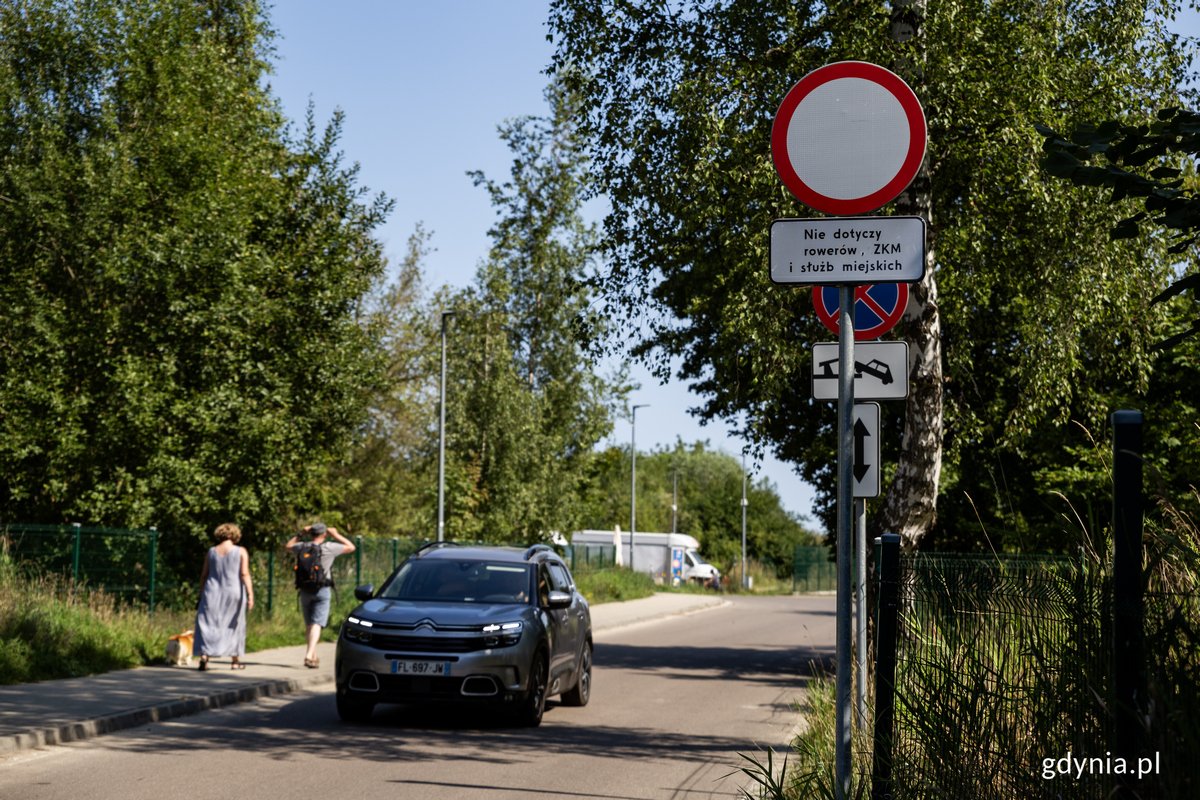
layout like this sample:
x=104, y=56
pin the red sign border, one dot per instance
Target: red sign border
x=830, y=320
x=893, y=84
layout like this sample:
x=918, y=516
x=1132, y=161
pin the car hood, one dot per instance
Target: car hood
x=410, y=612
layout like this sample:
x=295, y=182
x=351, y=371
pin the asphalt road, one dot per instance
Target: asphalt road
x=674, y=703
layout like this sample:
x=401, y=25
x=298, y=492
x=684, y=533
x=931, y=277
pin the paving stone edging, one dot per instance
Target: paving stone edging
x=86, y=729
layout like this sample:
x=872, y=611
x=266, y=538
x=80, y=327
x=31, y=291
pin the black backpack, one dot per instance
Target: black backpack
x=310, y=575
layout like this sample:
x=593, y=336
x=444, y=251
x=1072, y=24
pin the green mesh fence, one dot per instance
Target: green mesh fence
x=121, y=562
x=372, y=561
x=1002, y=663
x=813, y=571
x=590, y=557
x=1172, y=642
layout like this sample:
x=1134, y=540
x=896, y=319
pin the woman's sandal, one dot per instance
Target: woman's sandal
x=312, y=663
x=237, y=665
x=203, y=663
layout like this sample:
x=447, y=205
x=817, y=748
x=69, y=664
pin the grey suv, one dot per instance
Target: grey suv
x=495, y=625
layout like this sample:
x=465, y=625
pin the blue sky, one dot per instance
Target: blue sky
x=424, y=86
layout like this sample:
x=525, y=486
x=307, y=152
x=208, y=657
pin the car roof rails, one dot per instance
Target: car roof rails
x=433, y=546
x=538, y=548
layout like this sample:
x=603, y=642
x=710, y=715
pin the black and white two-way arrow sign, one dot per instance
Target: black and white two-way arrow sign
x=866, y=449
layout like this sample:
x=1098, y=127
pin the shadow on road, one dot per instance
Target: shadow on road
x=786, y=666
x=308, y=726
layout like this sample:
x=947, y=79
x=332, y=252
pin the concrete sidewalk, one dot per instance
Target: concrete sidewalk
x=53, y=712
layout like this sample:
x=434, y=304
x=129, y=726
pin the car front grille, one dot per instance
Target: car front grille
x=429, y=644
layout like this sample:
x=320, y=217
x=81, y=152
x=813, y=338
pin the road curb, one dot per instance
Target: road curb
x=87, y=729
x=189, y=702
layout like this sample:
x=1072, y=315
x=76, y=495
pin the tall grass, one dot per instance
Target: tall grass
x=808, y=772
x=613, y=584
x=1005, y=666
x=53, y=628
x=764, y=579
x=992, y=678
x=1173, y=644
x=1002, y=664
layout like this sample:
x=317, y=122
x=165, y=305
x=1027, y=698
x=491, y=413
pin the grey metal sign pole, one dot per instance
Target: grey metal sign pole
x=860, y=609
x=827, y=124
x=441, y=520
x=845, y=533
x=633, y=479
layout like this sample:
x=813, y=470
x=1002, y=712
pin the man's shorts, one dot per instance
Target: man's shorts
x=314, y=606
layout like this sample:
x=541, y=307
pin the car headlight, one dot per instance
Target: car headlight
x=504, y=634
x=357, y=630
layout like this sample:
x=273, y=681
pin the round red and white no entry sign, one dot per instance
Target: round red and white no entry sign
x=848, y=138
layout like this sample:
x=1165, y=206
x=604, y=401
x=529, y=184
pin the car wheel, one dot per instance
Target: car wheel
x=353, y=709
x=533, y=705
x=581, y=692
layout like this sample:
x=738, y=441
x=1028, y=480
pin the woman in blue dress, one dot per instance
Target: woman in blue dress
x=226, y=594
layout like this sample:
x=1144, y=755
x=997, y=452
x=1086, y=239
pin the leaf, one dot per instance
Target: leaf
x=1061, y=164
x=1173, y=341
x=1125, y=229
x=1189, y=282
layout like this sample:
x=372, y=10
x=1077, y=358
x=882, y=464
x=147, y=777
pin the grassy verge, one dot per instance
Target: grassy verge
x=807, y=771
x=613, y=584
x=764, y=579
x=51, y=629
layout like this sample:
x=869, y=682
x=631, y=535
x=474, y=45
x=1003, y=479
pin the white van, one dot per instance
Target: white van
x=672, y=558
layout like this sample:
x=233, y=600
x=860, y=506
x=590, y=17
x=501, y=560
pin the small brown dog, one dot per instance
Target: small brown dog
x=179, y=649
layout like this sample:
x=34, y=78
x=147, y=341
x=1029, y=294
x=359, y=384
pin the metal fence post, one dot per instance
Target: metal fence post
x=795, y=565
x=1129, y=677
x=885, y=666
x=358, y=561
x=153, y=564
x=75, y=551
x=270, y=581
x=878, y=556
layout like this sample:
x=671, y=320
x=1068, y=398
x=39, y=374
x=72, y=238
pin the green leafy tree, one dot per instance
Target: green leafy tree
x=382, y=485
x=182, y=337
x=1149, y=161
x=1153, y=162
x=526, y=406
x=1036, y=315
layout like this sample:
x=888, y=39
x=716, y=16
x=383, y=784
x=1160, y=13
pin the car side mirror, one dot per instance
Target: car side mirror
x=365, y=592
x=558, y=600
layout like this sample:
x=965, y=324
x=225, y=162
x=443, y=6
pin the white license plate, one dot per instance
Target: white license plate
x=420, y=667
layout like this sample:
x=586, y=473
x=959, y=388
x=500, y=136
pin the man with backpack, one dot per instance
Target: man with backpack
x=314, y=583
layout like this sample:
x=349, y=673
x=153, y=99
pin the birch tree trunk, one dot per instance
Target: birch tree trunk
x=910, y=507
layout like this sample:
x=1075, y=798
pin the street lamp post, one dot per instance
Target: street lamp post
x=633, y=480
x=745, y=580
x=441, y=522
x=674, y=499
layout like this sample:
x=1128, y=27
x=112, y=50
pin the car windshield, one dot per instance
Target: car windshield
x=465, y=581
x=696, y=557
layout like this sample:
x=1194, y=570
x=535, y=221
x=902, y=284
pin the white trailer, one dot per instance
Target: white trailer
x=672, y=558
